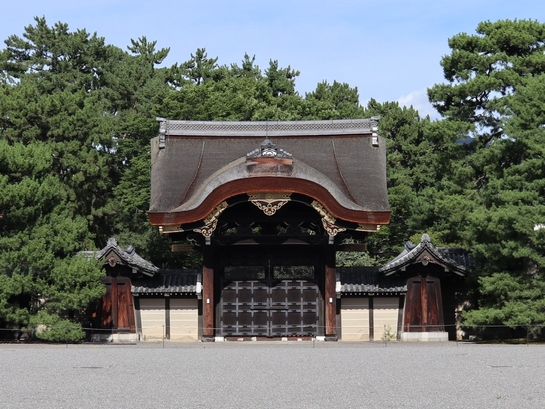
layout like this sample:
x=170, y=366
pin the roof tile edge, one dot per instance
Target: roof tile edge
x=268, y=128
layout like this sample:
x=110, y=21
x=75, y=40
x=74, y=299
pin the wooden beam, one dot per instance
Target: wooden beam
x=257, y=185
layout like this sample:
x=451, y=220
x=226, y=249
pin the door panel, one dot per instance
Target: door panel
x=269, y=301
x=117, y=304
x=435, y=305
x=413, y=306
x=106, y=310
x=423, y=305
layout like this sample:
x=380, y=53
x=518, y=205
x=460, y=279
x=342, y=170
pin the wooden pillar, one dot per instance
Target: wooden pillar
x=371, y=319
x=330, y=294
x=138, y=314
x=167, y=317
x=424, y=301
x=208, y=301
x=208, y=305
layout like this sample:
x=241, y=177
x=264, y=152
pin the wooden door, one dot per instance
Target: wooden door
x=244, y=302
x=106, y=310
x=125, y=308
x=294, y=301
x=423, y=305
x=269, y=301
x=117, y=310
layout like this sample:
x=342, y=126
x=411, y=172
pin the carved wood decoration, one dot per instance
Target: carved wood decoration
x=328, y=221
x=211, y=221
x=269, y=203
x=426, y=258
x=113, y=260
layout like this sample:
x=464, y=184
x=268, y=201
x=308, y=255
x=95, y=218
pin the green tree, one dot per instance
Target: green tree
x=333, y=101
x=495, y=86
x=58, y=167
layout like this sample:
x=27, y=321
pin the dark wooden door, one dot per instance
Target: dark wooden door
x=117, y=304
x=272, y=301
x=423, y=305
x=245, y=301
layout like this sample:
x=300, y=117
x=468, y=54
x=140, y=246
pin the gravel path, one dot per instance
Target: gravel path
x=268, y=375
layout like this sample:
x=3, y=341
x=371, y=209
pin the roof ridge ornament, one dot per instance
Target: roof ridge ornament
x=269, y=160
x=268, y=149
x=163, y=125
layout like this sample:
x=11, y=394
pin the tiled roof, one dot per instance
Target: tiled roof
x=129, y=256
x=441, y=256
x=368, y=280
x=267, y=128
x=171, y=282
x=341, y=152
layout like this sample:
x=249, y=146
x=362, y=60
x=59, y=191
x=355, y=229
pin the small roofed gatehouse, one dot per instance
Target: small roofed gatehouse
x=269, y=204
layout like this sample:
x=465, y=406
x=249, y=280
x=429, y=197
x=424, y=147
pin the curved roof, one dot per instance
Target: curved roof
x=127, y=256
x=424, y=252
x=341, y=164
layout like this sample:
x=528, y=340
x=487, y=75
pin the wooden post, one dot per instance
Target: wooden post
x=167, y=317
x=208, y=302
x=424, y=301
x=371, y=319
x=330, y=295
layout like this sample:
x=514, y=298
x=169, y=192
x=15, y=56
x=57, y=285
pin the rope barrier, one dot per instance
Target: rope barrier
x=385, y=332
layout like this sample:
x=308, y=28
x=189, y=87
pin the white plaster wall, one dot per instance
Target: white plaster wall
x=152, y=314
x=184, y=319
x=385, y=315
x=355, y=319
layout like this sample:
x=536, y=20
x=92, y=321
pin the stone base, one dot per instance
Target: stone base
x=206, y=338
x=115, y=338
x=424, y=336
x=320, y=338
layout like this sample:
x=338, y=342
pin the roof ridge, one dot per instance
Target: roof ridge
x=268, y=128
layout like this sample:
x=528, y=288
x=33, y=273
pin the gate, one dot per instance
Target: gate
x=273, y=301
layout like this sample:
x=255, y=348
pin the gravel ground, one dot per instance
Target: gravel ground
x=272, y=375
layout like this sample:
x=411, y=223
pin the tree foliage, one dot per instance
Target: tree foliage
x=495, y=86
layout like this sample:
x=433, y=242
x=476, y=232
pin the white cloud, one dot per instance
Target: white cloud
x=419, y=100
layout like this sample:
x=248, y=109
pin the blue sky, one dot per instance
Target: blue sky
x=389, y=49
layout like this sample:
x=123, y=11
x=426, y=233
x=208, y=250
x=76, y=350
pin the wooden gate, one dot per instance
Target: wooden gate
x=274, y=301
x=117, y=310
x=423, y=305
